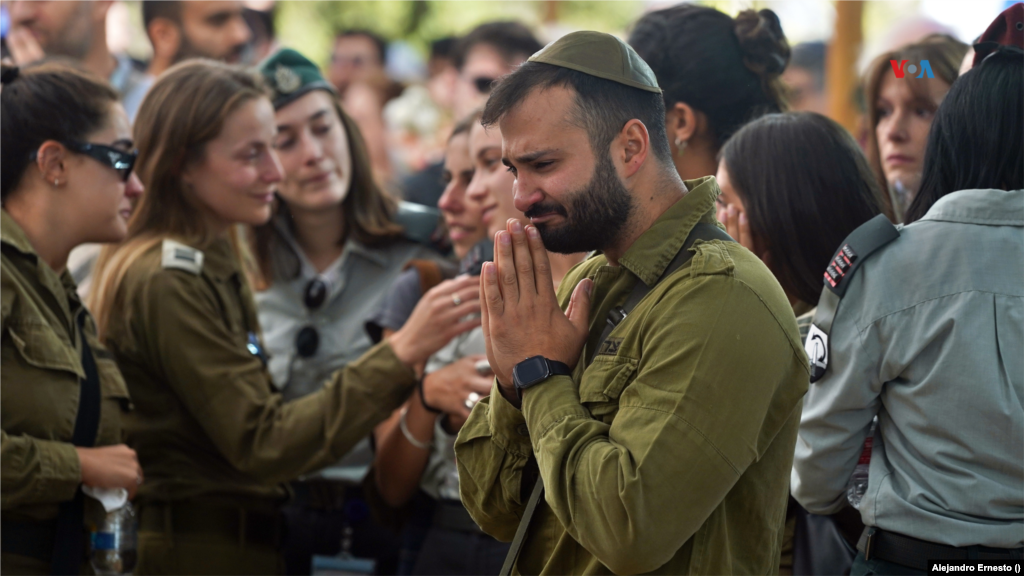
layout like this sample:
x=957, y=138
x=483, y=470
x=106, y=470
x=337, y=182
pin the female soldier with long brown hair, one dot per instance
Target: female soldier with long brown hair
x=175, y=306
x=326, y=260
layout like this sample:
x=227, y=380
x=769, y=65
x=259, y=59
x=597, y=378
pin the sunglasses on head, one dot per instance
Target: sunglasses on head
x=307, y=341
x=119, y=160
x=483, y=84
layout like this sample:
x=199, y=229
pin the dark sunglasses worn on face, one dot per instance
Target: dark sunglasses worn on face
x=483, y=84
x=307, y=341
x=119, y=160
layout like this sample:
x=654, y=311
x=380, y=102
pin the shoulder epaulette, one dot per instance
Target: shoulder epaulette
x=182, y=257
x=861, y=243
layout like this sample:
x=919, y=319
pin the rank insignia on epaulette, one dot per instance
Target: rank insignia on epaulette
x=837, y=269
x=179, y=256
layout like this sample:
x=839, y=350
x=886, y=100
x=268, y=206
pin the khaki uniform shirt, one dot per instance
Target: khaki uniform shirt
x=209, y=423
x=41, y=359
x=670, y=452
x=928, y=338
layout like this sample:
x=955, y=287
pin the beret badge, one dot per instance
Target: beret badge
x=286, y=79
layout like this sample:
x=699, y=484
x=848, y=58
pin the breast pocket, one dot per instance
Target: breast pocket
x=40, y=346
x=40, y=381
x=602, y=384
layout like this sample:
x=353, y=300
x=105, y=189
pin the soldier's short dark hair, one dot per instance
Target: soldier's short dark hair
x=602, y=107
x=512, y=40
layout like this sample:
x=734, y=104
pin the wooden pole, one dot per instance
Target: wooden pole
x=550, y=12
x=841, y=64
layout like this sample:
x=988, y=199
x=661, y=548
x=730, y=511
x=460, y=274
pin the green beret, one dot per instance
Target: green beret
x=291, y=75
x=601, y=55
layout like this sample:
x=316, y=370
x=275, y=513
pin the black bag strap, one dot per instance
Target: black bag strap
x=700, y=231
x=67, y=543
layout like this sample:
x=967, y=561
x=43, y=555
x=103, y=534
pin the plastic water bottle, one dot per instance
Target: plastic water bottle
x=112, y=547
x=859, y=480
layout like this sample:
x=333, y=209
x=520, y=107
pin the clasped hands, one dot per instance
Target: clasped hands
x=520, y=315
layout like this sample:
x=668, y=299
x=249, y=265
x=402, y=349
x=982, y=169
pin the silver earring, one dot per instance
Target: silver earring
x=680, y=146
x=56, y=182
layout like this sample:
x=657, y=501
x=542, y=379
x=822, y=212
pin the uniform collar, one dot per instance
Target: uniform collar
x=652, y=252
x=352, y=246
x=12, y=235
x=986, y=207
x=219, y=260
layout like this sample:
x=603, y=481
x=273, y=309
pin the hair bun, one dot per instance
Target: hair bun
x=8, y=73
x=764, y=45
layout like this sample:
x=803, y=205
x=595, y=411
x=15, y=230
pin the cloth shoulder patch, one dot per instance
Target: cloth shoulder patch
x=816, y=347
x=182, y=257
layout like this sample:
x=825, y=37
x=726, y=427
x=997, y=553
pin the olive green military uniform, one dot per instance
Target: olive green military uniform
x=670, y=451
x=40, y=352
x=215, y=440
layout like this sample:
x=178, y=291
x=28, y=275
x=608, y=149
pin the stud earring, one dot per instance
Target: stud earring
x=56, y=182
x=680, y=146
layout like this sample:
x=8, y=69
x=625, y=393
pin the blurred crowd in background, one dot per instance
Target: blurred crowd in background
x=407, y=71
x=410, y=79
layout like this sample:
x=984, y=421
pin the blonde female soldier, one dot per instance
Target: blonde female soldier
x=174, y=305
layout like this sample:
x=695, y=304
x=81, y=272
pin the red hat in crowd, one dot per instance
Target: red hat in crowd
x=1006, y=30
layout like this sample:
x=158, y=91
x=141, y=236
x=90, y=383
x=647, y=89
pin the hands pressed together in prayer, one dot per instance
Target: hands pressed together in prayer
x=521, y=317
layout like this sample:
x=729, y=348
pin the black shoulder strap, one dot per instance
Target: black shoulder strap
x=701, y=231
x=867, y=239
x=524, y=524
x=861, y=243
x=67, y=542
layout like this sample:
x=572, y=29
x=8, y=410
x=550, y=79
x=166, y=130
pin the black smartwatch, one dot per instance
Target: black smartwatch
x=533, y=371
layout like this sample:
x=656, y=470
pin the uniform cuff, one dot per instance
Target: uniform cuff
x=60, y=471
x=550, y=402
x=508, y=426
x=380, y=365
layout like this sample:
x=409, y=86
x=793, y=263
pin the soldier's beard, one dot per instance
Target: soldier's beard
x=596, y=215
x=188, y=50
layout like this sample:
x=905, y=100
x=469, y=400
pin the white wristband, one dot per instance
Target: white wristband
x=408, y=435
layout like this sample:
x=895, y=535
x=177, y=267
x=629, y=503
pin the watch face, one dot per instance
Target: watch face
x=530, y=371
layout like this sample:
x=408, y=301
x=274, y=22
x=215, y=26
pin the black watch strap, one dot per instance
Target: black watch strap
x=535, y=370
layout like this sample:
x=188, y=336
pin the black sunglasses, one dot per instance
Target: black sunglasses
x=119, y=160
x=307, y=341
x=483, y=84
